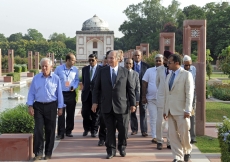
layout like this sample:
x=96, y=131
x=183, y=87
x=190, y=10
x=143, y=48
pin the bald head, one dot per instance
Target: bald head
x=137, y=56
x=128, y=64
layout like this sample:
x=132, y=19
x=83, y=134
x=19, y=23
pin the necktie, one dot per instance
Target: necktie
x=167, y=71
x=138, y=68
x=91, y=73
x=171, y=81
x=114, y=76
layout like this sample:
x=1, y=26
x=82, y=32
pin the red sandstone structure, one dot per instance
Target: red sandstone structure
x=36, y=58
x=10, y=61
x=52, y=58
x=144, y=48
x=30, y=60
x=195, y=30
x=167, y=40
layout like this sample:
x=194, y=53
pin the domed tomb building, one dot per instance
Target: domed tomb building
x=94, y=37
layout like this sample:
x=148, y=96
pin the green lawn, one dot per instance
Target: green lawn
x=219, y=75
x=216, y=110
x=207, y=144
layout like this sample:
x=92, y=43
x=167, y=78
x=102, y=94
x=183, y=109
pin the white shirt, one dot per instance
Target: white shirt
x=94, y=69
x=150, y=78
x=122, y=63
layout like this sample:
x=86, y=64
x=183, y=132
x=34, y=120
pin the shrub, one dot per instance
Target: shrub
x=16, y=120
x=224, y=139
x=77, y=93
x=221, y=91
x=35, y=71
x=17, y=68
x=16, y=76
x=209, y=70
x=24, y=67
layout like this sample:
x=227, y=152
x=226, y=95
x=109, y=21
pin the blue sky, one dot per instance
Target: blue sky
x=66, y=16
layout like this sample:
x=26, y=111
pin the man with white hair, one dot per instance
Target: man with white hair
x=149, y=94
x=187, y=61
x=44, y=99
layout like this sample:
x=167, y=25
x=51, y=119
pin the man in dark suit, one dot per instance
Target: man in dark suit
x=140, y=67
x=89, y=75
x=114, y=83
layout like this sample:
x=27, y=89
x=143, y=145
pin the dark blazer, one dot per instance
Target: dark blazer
x=114, y=97
x=87, y=84
x=136, y=82
x=144, y=67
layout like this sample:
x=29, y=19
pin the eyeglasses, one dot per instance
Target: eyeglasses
x=158, y=60
x=128, y=63
x=91, y=60
x=187, y=65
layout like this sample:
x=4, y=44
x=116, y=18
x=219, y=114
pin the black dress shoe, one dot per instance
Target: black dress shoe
x=187, y=157
x=36, y=158
x=101, y=143
x=58, y=137
x=122, y=152
x=69, y=135
x=144, y=134
x=193, y=141
x=175, y=160
x=47, y=157
x=109, y=156
x=85, y=133
x=159, y=146
x=168, y=146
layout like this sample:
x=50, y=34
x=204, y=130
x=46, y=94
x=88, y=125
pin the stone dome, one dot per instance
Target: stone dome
x=95, y=24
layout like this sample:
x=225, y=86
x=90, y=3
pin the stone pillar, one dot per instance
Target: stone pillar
x=36, y=58
x=10, y=61
x=138, y=47
x=167, y=39
x=0, y=63
x=30, y=60
x=52, y=58
x=195, y=30
x=48, y=55
x=144, y=47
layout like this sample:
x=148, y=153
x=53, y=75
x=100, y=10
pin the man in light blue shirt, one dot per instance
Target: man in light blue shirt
x=44, y=97
x=189, y=67
x=68, y=75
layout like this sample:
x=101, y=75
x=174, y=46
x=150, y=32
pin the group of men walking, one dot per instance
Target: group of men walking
x=110, y=97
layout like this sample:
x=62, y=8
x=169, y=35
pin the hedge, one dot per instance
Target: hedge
x=221, y=91
x=24, y=68
x=17, y=68
x=35, y=71
x=16, y=120
x=224, y=139
x=16, y=76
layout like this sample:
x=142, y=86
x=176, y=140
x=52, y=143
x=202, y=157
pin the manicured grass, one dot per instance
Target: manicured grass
x=216, y=110
x=207, y=144
x=219, y=75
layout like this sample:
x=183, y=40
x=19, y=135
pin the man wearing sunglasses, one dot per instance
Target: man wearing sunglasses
x=189, y=67
x=89, y=75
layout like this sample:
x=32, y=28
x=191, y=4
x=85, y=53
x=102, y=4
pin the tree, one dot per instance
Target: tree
x=225, y=61
x=208, y=64
x=2, y=38
x=71, y=43
x=15, y=37
x=33, y=34
x=58, y=37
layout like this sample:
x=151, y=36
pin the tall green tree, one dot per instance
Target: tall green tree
x=33, y=34
x=2, y=38
x=15, y=37
x=57, y=37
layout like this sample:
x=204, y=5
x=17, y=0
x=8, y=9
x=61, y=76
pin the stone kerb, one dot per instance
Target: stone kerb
x=30, y=74
x=8, y=79
x=167, y=39
x=16, y=147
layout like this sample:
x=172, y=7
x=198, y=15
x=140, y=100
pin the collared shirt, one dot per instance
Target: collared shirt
x=135, y=66
x=111, y=71
x=150, y=78
x=45, y=89
x=94, y=69
x=70, y=75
